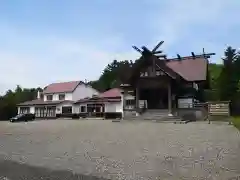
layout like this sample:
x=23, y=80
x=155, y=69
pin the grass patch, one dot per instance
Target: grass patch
x=236, y=122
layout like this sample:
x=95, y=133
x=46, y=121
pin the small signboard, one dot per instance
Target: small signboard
x=185, y=103
x=219, y=109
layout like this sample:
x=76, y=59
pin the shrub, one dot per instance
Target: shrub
x=236, y=122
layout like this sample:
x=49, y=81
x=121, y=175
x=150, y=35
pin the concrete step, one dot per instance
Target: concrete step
x=164, y=119
x=156, y=115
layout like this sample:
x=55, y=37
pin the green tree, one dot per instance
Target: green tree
x=212, y=93
x=8, y=102
x=228, y=80
x=112, y=75
x=214, y=71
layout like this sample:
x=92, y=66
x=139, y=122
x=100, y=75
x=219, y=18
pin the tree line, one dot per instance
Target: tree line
x=224, y=82
x=9, y=101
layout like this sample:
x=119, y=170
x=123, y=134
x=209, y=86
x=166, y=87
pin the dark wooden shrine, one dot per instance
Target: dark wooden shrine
x=161, y=83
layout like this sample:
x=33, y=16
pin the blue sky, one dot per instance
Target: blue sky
x=45, y=41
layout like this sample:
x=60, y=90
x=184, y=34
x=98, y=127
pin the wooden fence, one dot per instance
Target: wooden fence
x=219, y=109
x=214, y=111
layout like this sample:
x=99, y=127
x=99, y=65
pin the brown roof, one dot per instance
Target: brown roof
x=98, y=100
x=41, y=102
x=164, y=67
x=61, y=87
x=112, y=93
x=189, y=68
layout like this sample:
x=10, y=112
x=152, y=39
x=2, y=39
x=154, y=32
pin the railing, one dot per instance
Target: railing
x=200, y=105
x=214, y=111
x=192, y=110
x=219, y=109
x=193, y=105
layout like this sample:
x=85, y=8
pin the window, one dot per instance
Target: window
x=130, y=102
x=82, y=108
x=24, y=110
x=67, y=110
x=51, y=112
x=61, y=96
x=160, y=73
x=49, y=97
x=37, y=112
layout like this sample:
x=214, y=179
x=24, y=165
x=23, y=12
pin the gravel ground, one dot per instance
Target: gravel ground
x=86, y=149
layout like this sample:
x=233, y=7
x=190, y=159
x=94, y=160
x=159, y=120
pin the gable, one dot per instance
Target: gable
x=83, y=91
x=149, y=72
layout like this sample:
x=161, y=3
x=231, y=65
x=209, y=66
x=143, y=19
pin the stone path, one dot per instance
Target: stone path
x=130, y=150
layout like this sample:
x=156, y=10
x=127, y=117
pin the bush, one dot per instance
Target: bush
x=236, y=122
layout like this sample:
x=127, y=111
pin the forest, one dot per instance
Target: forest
x=224, y=83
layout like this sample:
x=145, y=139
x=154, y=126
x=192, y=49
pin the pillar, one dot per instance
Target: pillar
x=137, y=99
x=169, y=99
x=123, y=102
x=123, y=99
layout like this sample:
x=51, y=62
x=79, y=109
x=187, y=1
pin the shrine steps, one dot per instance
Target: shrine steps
x=156, y=115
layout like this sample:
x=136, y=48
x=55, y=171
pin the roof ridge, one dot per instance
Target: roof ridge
x=58, y=87
x=66, y=82
x=185, y=58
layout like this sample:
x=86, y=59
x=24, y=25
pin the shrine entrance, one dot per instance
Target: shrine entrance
x=157, y=98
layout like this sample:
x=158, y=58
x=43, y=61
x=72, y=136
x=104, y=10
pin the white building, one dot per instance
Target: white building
x=57, y=99
x=110, y=103
x=76, y=97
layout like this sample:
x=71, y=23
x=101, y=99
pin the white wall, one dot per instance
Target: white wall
x=45, y=97
x=66, y=104
x=113, y=107
x=83, y=91
x=32, y=109
x=58, y=109
x=80, y=92
x=68, y=96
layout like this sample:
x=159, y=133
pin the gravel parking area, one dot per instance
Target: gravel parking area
x=126, y=150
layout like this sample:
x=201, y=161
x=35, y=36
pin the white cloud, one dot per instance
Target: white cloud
x=174, y=21
x=43, y=60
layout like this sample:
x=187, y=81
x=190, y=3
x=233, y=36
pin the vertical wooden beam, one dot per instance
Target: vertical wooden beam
x=123, y=102
x=137, y=98
x=154, y=65
x=169, y=99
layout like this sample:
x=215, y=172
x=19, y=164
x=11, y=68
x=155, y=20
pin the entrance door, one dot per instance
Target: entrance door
x=156, y=98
